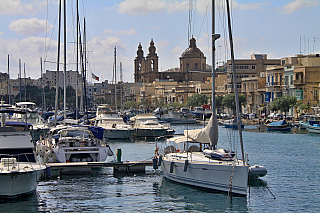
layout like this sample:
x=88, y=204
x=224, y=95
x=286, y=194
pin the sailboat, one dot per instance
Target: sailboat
x=193, y=160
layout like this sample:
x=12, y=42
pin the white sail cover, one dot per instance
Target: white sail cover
x=208, y=134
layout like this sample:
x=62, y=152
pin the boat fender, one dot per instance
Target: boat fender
x=186, y=163
x=160, y=160
x=155, y=163
x=171, y=167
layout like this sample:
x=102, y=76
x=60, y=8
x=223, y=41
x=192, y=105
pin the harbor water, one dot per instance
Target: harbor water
x=292, y=182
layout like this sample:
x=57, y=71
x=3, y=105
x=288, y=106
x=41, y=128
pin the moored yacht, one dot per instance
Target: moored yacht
x=147, y=125
x=115, y=127
x=19, y=169
x=74, y=144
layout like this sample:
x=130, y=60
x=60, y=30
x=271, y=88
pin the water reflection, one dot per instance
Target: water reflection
x=25, y=203
x=182, y=197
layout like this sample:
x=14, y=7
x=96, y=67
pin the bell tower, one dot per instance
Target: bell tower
x=152, y=59
x=139, y=65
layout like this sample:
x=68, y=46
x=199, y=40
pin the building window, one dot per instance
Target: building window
x=196, y=66
x=253, y=67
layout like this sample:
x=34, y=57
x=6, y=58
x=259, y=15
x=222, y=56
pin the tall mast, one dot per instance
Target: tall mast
x=85, y=65
x=58, y=63
x=214, y=38
x=8, y=85
x=25, y=82
x=65, y=61
x=235, y=84
x=77, y=60
x=115, y=77
x=20, y=78
x=42, y=86
x=121, y=88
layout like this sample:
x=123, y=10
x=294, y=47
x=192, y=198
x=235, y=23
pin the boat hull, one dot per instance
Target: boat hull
x=288, y=128
x=118, y=133
x=14, y=184
x=213, y=176
x=311, y=129
x=149, y=132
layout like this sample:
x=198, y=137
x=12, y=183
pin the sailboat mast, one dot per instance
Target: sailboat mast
x=58, y=64
x=236, y=94
x=42, y=87
x=20, y=78
x=25, y=82
x=65, y=60
x=8, y=86
x=121, y=88
x=85, y=65
x=115, y=77
x=77, y=45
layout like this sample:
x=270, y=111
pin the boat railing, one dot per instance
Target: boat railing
x=13, y=161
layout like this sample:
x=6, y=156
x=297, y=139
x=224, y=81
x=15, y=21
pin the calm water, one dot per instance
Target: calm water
x=293, y=177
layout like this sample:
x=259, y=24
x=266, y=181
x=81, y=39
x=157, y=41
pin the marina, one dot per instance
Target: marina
x=161, y=116
x=294, y=184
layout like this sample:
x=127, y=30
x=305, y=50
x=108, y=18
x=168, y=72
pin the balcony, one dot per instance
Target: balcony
x=273, y=84
x=298, y=82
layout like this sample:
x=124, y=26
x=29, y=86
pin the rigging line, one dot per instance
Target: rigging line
x=45, y=39
x=47, y=49
x=204, y=16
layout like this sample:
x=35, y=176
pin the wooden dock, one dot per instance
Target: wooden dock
x=124, y=167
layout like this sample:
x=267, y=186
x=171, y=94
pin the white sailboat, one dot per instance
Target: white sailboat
x=193, y=159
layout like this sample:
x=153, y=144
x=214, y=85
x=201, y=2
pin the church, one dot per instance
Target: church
x=192, y=66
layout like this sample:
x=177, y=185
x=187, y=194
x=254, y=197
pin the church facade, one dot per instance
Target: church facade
x=192, y=66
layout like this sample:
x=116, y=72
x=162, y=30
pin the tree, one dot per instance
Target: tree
x=131, y=104
x=197, y=100
x=283, y=104
x=229, y=101
x=219, y=102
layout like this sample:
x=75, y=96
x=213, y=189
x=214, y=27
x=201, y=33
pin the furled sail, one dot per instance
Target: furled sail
x=208, y=134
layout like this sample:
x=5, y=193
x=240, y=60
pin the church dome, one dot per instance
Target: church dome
x=192, y=51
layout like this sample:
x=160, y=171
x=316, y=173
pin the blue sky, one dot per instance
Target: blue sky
x=28, y=30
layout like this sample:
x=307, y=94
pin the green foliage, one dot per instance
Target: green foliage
x=283, y=104
x=197, y=100
x=229, y=101
x=131, y=104
x=34, y=94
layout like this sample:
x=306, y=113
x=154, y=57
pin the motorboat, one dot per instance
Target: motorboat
x=39, y=128
x=312, y=124
x=147, y=125
x=231, y=123
x=173, y=117
x=32, y=117
x=74, y=144
x=115, y=127
x=279, y=126
x=19, y=168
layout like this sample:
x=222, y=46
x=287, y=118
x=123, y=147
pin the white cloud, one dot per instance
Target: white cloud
x=132, y=31
x=139, y=7
x=16, y=7
x=30, y=27
x=108, y=31
x=298, y=4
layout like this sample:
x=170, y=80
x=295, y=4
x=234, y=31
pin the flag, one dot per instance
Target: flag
x=95, y=77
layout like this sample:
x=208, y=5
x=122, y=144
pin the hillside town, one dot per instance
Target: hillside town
x=260, y=79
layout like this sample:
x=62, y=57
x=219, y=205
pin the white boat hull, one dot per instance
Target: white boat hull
x=213, y=176
x=15, y=183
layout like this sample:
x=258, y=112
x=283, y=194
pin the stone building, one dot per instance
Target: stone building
x=192, y=66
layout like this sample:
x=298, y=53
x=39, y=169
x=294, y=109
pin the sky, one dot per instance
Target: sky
x=29, y=31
